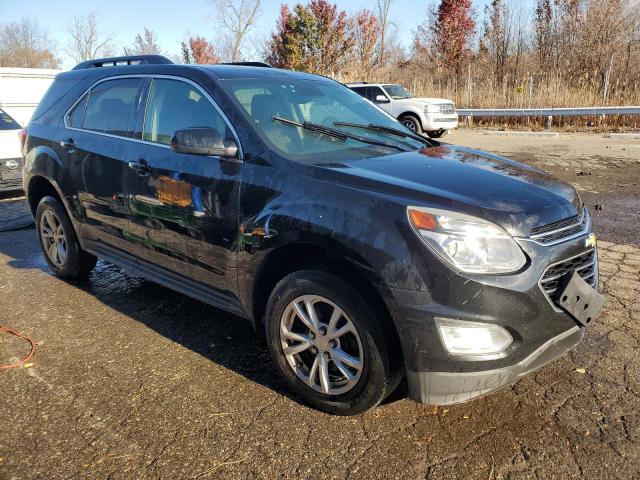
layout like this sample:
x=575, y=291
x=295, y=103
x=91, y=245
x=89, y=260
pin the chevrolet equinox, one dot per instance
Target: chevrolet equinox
x=364, y=252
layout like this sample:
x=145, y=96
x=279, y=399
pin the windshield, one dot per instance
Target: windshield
x=318, y=101
x=398, y=92
x=7, y=123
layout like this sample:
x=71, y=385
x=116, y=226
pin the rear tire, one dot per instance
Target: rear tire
x=359, y=371
x=412, y=123
x=59, y=242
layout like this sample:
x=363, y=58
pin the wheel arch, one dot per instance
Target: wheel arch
x=299, y=255
x=39, y=187
x=414, y=114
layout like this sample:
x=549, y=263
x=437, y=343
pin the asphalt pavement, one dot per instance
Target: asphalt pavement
x=131, y=380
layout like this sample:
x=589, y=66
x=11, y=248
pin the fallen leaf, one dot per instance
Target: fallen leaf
x=28, y=365
x=580, y=370
x=466, y=416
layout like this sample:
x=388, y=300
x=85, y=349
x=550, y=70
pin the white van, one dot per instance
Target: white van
x=21, y=90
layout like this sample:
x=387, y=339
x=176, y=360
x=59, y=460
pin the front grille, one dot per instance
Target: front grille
x=585, y=264
x=447, y=108
x=561, y=230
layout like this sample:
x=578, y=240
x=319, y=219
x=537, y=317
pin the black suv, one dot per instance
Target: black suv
x=365, y=253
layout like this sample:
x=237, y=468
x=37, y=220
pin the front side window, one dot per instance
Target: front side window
x=110, y=106
x=7, y=123
x=398, y=92
x=374, y=92
x=176, y=105
x=322, y=102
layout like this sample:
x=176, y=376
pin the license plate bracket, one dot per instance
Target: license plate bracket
x=579, y=299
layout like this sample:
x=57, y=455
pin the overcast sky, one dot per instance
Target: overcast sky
x=174, y=20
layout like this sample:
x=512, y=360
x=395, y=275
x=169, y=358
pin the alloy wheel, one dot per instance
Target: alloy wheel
x=321, y=344
x=410, y=125
x=54, y=238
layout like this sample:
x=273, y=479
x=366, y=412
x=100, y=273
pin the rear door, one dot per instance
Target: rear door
x=183, y=208
x=97, y=139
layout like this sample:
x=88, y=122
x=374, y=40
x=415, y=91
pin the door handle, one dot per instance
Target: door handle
x=141, y=167
x=68, y=144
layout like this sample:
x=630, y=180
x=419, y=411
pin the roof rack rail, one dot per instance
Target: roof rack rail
x=249, y=64
x=357, y=83
x=120, y=61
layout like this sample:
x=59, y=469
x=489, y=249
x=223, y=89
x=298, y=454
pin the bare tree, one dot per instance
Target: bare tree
x=383, y=21
x=86, y=41
x=25, y=44
x=237, y=17
x=145, y=44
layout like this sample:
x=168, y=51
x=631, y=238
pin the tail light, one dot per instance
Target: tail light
x=22, y=135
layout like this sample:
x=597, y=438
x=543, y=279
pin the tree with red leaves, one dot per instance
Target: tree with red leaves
x=199, y=50
x=313, y=38
x=367, y=34
x=447, y=35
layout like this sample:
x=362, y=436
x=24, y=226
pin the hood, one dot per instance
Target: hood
x=9, y=144
x=510, y=194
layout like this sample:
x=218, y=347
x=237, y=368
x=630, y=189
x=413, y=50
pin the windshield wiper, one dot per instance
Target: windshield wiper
x=382, y=128
x=339, y=134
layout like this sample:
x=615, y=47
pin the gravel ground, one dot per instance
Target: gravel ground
x=131, y=380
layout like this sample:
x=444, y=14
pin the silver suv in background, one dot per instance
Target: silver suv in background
x=433, y=116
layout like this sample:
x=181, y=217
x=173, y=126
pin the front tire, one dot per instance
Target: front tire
x=59, y=242
x=328, y=343
x=412, y=123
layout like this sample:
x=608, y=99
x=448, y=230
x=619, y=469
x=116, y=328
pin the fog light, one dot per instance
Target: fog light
x=472, y=339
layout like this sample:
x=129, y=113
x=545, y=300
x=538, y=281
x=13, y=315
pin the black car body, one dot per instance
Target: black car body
x=226, y=229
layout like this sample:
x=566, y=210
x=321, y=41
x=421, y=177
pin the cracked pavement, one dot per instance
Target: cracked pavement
x=131, y=380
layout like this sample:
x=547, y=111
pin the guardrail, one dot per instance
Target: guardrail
x=546, y=112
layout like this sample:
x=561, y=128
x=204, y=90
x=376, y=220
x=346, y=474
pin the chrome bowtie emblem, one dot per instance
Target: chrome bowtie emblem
x=12, y=164
x=590, y=241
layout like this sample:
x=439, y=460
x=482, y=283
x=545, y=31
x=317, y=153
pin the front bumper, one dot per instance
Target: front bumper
x=10, y=174
x=540, y=330
x=445, y=388
x=439, y=121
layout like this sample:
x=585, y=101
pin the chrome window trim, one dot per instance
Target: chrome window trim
x=595, y=273
x=152, y=76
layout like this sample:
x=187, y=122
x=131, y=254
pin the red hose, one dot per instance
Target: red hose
x=19, y=335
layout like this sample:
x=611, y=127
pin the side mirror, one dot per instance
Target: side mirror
x=382, y=99
x=203, y=141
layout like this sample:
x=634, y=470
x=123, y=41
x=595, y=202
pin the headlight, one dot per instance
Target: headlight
x=431, y=109
x=471, y=244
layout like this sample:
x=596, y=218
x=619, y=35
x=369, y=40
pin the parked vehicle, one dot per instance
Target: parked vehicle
x=10, y=156
x=21, y=89
x=365, y=253
x=433, y=116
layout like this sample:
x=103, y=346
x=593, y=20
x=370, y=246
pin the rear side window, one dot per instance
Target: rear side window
x=7, y=123
x=175, y=105
x=360, y=91
x=76, y=116
x=110, y=106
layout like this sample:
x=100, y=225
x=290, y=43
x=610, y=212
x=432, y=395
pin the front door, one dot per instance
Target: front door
x=183, y=209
